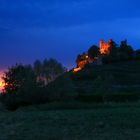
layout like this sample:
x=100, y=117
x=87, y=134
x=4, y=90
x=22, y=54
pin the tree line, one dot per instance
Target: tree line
x=32, y=84
x=26, y=84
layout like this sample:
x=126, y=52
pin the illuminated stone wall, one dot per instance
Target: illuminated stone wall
x=105, y=47
x=82, y=63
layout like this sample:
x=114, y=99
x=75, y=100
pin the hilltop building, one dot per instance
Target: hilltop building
x=104, y=49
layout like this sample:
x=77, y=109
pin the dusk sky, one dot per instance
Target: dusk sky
x=61, y=29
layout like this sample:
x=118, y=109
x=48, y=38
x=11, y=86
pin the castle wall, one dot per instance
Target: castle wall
x=104, y=47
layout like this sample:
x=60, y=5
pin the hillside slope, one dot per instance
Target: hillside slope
x=117, y=75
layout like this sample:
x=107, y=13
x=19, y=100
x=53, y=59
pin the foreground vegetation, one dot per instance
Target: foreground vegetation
x=100, y=122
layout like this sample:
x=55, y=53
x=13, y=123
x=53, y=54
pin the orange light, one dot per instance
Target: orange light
x=104, y=47
x=1, y=81
x=77, y=69
x=1, y=85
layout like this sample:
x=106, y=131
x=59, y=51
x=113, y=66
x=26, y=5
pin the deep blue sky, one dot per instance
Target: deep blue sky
x=38, y=29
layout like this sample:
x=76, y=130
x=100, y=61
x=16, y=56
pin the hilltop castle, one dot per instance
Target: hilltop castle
x=103, y=50
x=105, y=46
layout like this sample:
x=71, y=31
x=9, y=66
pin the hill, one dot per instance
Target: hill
x=117, y=78
x=110, y=82
x=124, y=74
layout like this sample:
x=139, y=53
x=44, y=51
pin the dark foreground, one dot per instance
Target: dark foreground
x=115, y=122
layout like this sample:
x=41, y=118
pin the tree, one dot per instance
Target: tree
x=138, y=54
x=21, y=87
x=38, y=67
x=19, y=77
x=52, y=69
x=113, y=56
x=113, y=47
x=93, y=51
x=126, y=51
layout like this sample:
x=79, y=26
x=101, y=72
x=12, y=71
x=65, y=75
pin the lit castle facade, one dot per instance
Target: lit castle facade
x=104, y=49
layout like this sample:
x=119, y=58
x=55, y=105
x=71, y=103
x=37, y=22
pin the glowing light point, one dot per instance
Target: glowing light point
x=1, y=85
x=77, y=69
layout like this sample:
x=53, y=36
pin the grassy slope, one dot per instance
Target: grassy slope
x=35, y=123
x=123, y=77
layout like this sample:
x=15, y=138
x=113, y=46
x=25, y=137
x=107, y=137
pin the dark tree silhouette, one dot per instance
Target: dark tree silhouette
x=48, y=70
x=93, y=51
x=22, y=88
x=80, y=58
x=19, y=77
x=113, y=56
x=52, y=69
x=137, y=54
x=38, y=67
x=126, y=51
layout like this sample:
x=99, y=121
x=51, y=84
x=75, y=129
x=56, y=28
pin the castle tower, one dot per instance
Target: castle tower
x=105, y=46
